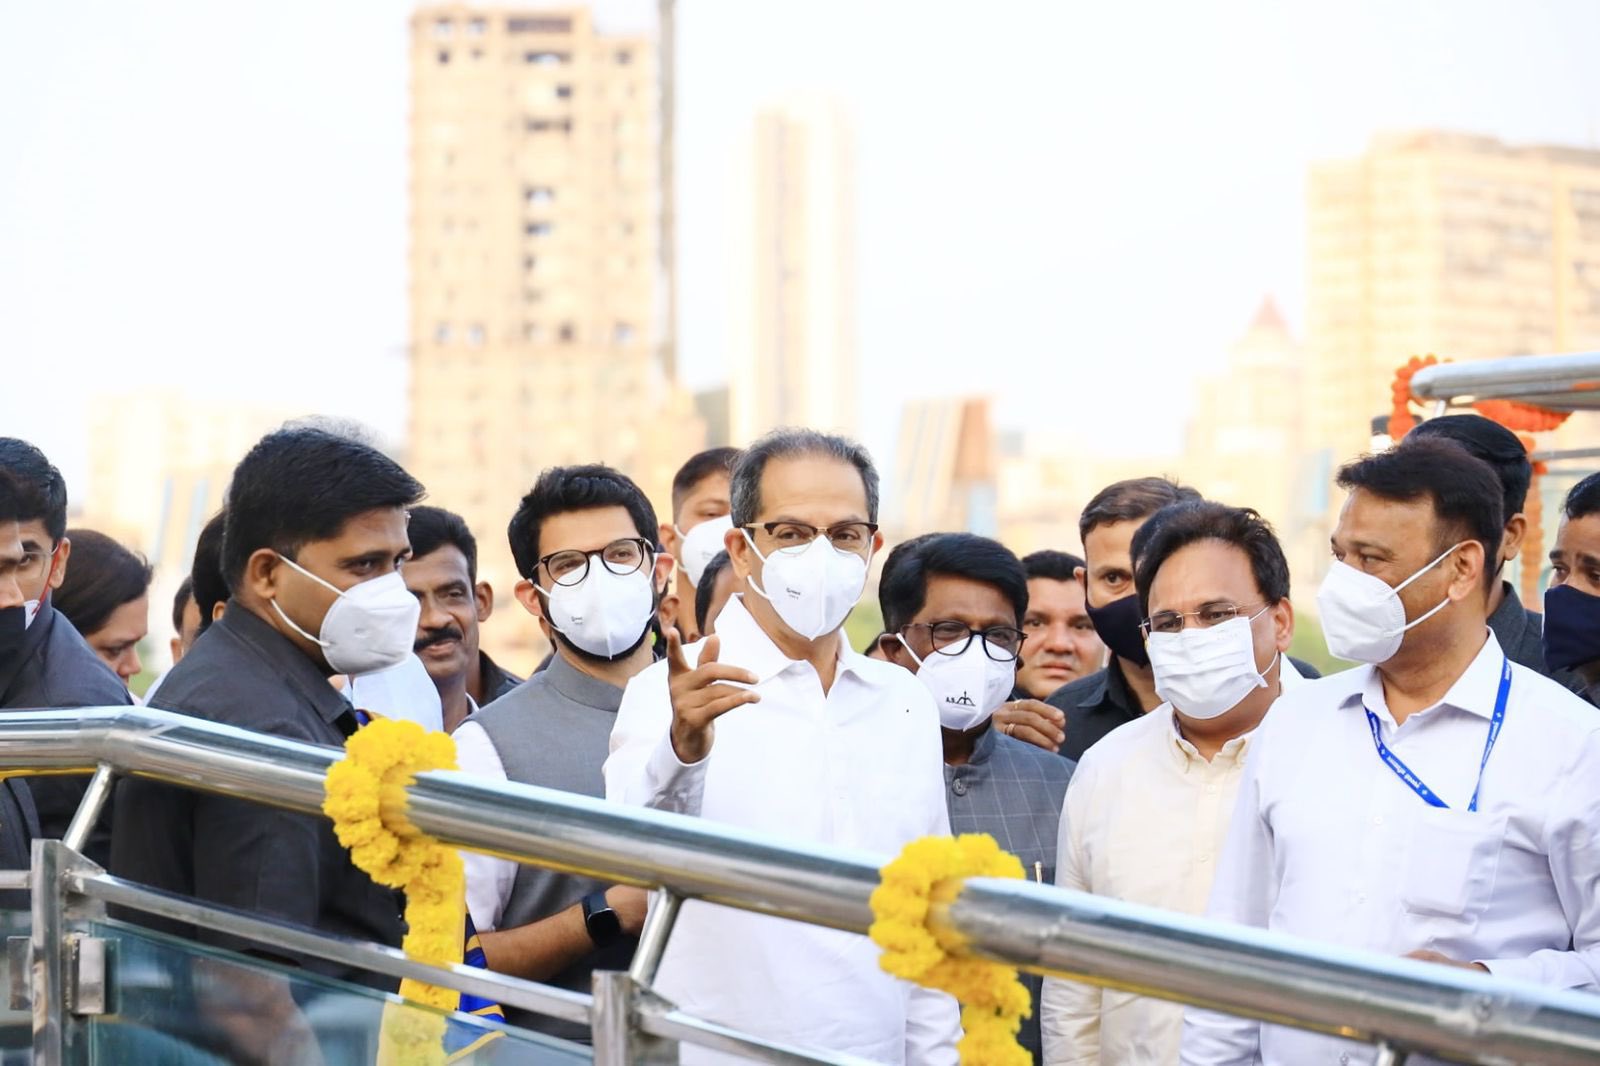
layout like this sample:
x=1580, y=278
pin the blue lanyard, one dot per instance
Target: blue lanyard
x=1413, y=782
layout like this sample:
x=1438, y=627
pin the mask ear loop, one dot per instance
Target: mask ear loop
x=290, y=622
x=914, y=657
x=1444, y=603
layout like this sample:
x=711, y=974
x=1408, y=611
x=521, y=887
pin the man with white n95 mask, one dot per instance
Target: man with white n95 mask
x=777, y=726
x=1439, y=802
x=583, y=541
x=1149, y=807
x=953, y=604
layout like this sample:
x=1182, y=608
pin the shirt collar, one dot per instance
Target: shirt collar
x=746, y=644
x=1233, y=751
x=1474, y=691
x=287, y=661
x=581, y=688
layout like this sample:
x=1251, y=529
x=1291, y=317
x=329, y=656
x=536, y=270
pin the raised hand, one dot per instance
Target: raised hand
x=702, y=695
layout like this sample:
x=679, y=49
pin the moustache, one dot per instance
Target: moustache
x=437, y=636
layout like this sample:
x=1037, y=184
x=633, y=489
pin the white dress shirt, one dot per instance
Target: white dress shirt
x=489, y=877
x=1328, y=843
x=1144, y=821
x=858, y=767
x=404, y=690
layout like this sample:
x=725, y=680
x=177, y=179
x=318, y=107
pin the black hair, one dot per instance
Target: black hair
x=1583, y=499
x=563, y=489
x=1180, y=525
x=103, y=576
x=903, y=587
x=699, y=467
x=1051, y=564
x=1494, y=444
x=745, y=487
x=303, y=484
x=181, y=599
x=1462, y=488
x=1130, y=501
x=40, y=489
x=210, y=585
x=431, y=528
x=10, y=497
x=707, y=588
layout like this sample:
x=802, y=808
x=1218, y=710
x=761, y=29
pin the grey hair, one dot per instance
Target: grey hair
x=745, y=489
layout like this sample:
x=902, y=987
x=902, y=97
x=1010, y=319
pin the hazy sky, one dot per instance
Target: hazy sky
x=1090, y=198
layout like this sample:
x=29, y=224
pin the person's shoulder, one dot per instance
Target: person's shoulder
x=516, y=700
x=1053, y=768
x=1558, y=706
x=1086, y=689
x=222, y=681
x=1127, y=742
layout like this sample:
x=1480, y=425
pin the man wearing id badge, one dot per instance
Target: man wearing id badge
x=1440, y=801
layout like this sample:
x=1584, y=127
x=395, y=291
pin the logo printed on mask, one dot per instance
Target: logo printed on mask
x=971, y=671
x=818, y=585
x=605, y=614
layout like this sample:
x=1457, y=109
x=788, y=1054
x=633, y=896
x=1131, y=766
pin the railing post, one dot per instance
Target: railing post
x=88, y=812
x=50, y=957
x=618, y=1040
x=658, y=923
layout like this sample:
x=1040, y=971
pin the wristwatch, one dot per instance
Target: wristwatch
x=601, y=921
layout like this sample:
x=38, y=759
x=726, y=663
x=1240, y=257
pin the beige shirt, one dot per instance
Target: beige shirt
x=1144, y=820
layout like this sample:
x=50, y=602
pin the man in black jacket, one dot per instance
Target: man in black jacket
x=19, y=824
x=53, y=666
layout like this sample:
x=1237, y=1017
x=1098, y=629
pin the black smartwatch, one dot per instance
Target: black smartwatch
x=601, y=921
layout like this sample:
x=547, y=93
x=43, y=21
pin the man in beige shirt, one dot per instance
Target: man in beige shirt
x=1149, y=806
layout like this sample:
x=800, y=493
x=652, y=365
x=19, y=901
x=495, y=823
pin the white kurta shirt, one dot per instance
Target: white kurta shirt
x=1328, y=843
x=1144, y=821
x=858, y=767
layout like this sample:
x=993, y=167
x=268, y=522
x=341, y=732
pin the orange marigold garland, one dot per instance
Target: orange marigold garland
x=993, y=1001
x=381, y=759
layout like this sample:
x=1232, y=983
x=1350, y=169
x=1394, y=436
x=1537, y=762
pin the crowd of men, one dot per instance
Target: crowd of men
x=1128, y=723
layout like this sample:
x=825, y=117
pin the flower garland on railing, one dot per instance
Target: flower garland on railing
x=993, y=1000
x=381, y=759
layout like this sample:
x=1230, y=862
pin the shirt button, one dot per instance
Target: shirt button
x=1377, y=819
x=1344, y=1060
x=1205, y=858
x=1361, y=897
x=959, y=788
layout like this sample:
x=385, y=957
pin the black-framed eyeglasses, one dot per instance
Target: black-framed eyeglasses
x=1212, y=614
x=621, y=557
x=1001, y=643
x=845, y=536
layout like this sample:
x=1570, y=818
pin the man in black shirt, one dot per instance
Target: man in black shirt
x=53, y=666
x=314, y=537
x=19, y=824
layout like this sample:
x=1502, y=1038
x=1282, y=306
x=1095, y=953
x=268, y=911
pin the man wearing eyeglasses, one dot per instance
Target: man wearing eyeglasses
x=53, y=665
x=776, y=726
x=583, y=541
x=953, y=604
x=1149, y=807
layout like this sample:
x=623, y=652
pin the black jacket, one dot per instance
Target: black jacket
x=56, y=668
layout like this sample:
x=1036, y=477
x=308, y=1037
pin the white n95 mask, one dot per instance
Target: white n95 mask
x=1363, y=618
x=967, y=687
x=1205, y=673
x=813, y=588
x=701, y=544
x=371, y=626
x=605, y=614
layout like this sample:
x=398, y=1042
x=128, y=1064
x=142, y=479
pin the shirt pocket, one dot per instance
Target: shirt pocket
x=1454, y=856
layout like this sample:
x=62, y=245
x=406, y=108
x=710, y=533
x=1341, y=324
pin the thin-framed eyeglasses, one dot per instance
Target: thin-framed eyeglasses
x=622, y=557
x=28, y=568
x=1211, y=614
x=853, y=537
x=1001, y=643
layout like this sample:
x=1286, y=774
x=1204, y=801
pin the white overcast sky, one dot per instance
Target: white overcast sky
x=1090, y=198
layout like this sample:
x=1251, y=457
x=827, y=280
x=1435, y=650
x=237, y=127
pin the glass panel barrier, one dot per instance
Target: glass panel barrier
x=16, y=1026
x=175, y=1001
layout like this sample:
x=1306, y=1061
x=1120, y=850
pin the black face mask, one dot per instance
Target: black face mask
x=1571, y=628
x=13, y=630
x=1118, y=625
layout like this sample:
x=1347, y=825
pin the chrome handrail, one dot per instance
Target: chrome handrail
x=1361, y=995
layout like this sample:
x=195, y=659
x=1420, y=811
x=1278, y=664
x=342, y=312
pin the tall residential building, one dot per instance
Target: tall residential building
x=538, y=289
x=793, y=333
x=946, y=469
x=1446, y=243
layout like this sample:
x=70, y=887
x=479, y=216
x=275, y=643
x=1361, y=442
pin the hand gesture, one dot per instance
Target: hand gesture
x=700, y=696
x=1032, y=720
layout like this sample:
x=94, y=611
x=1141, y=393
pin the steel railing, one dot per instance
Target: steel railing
x=1398, y=1004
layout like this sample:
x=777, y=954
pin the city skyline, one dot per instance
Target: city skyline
x=999, y=227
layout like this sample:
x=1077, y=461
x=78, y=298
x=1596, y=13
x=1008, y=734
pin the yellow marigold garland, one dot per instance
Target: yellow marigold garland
x=993, y=1000
x=381, y=759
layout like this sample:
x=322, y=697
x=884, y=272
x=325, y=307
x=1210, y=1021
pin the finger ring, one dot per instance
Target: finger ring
x=1006, y=729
